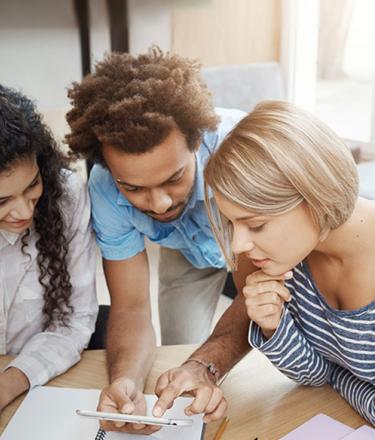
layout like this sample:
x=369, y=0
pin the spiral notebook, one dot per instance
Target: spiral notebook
x=49, y=413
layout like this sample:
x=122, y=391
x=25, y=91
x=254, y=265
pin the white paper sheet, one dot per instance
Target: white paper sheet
x=49, y=413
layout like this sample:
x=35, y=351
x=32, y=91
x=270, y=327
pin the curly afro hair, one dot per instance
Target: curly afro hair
x=133, y=102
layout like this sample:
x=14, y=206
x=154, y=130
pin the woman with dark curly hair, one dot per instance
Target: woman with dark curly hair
x=47, y=254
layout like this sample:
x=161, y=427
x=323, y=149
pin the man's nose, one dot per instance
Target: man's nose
x=160, y=201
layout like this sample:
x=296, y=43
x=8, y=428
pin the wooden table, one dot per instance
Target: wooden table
x=262, y=402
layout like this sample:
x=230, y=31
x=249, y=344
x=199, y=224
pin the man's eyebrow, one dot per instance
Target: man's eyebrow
x=33, y=181
x=122, y=182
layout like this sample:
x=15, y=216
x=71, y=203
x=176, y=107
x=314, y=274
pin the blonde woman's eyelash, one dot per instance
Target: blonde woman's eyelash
x=257, y=228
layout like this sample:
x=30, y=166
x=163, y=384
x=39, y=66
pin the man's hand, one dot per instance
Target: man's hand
x=195, y=379
x=264, y=298
x=123, y=396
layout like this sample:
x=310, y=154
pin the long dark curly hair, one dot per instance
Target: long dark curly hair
x=23, y=135
x=133, y=103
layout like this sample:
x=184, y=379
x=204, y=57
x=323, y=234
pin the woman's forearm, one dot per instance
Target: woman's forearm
x=12, y=383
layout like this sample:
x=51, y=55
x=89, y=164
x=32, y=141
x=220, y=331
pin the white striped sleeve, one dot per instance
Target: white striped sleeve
x=291, y=353
x=358, y=393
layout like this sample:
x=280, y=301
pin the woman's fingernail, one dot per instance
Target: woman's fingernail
x=289, y=274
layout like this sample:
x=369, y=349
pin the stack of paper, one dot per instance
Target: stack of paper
x=324, y=427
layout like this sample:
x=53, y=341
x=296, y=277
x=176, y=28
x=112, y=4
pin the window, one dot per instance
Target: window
x=328, y=51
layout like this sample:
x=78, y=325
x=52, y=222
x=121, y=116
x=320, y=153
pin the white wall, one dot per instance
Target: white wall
x=149, y=23
x=100, y=42
x=40, y=51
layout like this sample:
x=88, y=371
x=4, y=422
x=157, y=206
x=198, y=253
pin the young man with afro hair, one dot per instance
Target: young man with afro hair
x=148, y=124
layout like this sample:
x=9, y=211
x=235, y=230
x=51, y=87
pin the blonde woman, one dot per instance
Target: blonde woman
x=286, y=189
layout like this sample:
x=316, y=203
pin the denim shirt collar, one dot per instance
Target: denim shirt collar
x=122, y=200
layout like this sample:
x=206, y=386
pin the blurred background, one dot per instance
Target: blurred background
x=318, y=54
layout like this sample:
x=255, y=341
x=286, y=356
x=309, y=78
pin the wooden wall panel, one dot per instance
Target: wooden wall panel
x=226, y=31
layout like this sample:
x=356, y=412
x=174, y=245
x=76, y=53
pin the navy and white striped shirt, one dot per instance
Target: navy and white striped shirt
x=316, y=344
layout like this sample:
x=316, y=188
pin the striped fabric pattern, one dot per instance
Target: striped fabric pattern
x=316, y=344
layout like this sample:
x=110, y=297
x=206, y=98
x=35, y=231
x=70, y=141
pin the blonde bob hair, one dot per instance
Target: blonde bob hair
x=276, y=157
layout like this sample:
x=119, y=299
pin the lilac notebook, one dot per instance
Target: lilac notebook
x=362, y=433
x=320, y=426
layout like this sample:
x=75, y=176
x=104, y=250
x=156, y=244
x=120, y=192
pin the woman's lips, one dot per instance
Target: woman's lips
x=260, y=262
x=19, y=224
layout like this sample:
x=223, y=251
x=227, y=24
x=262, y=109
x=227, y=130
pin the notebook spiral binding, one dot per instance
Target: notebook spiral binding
x=101, y=435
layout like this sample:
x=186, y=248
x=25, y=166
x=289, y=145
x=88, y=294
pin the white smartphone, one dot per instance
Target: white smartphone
x=130, y=418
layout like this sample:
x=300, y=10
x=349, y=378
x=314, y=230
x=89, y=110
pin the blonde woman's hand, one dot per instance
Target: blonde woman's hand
x=264, y=298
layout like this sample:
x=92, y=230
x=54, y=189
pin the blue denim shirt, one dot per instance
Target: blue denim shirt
x=120, y=228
